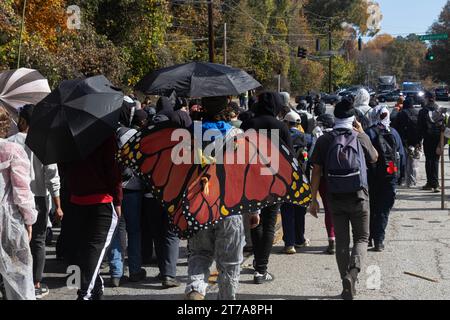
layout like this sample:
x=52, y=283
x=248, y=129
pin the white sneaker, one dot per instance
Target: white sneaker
x=307, y=243
x=259, y=278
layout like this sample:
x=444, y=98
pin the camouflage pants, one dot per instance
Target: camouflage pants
x=224, y=243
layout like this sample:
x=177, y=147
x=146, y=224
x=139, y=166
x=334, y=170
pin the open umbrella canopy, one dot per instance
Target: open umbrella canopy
x=22, y=86
x=19, y=87
x=73, y=120
x=197, y=79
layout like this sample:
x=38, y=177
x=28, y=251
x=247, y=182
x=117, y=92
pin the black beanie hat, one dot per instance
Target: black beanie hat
x=344, y=109
x=214, y=105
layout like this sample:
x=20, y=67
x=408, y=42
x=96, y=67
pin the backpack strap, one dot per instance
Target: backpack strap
x=339, y=132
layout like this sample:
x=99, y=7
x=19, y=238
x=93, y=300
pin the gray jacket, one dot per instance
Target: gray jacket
x=130, y=180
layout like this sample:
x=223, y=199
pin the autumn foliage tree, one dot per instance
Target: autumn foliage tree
x=126, y=39
x=45, y=19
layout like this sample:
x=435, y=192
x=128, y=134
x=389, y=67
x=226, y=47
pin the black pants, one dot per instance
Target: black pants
x=68, y=245
x=96, y=226
x=146, y=232
x=37, y=244
x=382, y=199
x=262, y=237
x=166, y=241
x=350, y=210
x=430, y=145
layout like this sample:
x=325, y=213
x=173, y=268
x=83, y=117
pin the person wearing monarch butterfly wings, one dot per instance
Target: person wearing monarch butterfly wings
x=224, y=241
x=384, y=175
x=342, y=156
x=206, y=197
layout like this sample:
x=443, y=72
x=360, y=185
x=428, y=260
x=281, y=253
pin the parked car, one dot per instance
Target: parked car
x=330, y=98
x=442, y=93
x=391, y=96
x=414, y=90
x=351, y=91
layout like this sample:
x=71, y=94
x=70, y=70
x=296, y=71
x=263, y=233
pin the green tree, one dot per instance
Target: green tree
x=405, y=58
x=342, y=73
x=9, y=26
x=441, y=64
x=137, y=27
x=334, y=12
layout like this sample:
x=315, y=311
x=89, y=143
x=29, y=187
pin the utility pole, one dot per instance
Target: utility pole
x=225, y=58
x=211, y=31
x=279, y=82
x=21, y=33
x=330, y=47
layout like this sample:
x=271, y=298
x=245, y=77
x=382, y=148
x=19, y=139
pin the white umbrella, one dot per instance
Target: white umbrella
x=20, y=87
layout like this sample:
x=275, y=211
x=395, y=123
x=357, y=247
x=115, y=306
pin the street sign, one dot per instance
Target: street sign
x=440, y=36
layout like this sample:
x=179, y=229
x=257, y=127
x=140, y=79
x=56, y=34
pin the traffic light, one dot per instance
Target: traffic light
x=302, y=52
x=429, y=56
x=317, y=45
x=359, y=44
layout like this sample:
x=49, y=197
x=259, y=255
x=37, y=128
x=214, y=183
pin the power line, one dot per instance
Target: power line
x=237, y=7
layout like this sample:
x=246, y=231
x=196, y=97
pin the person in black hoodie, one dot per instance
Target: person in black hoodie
x=179, y=117
x=406, y=125
x=430, y=132
x=266, y=110
x=319, y=106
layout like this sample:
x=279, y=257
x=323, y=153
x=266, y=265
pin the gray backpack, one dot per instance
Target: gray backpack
x=346, y=169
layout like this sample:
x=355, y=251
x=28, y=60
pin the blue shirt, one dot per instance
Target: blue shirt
x=219, y=126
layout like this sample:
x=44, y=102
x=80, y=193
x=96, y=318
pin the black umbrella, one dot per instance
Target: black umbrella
x=197, y=79
x=73, y=120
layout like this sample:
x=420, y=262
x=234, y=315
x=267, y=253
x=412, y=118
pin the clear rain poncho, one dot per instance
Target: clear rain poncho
x=17, y=208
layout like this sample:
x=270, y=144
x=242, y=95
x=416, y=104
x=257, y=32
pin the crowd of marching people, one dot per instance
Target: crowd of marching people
x=355, y=156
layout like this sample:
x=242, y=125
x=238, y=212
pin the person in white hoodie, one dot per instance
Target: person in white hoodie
x=361, y=104
x=45, y=182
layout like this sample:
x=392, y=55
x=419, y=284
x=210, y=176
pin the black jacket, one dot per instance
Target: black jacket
x=319, y=109
x=407, y=126
x=424, y=133
x=165, y=107
x=266, y=109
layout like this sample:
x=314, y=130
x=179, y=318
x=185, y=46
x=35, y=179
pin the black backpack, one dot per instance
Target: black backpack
x=435, y=122
x=388, y=164
x=363, y=118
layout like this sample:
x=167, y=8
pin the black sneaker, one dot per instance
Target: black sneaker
x=370, y=244
x=169, y=282
x=97, y=296
x=427, y=187
x=139, y=276
x=42, y=291
x=348, y=285
x=379, y=247
x=259, y=278
x=436, y=190
x=331, y=249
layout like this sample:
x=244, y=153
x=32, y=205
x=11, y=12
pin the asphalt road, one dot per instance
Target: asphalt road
x=417, y=241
